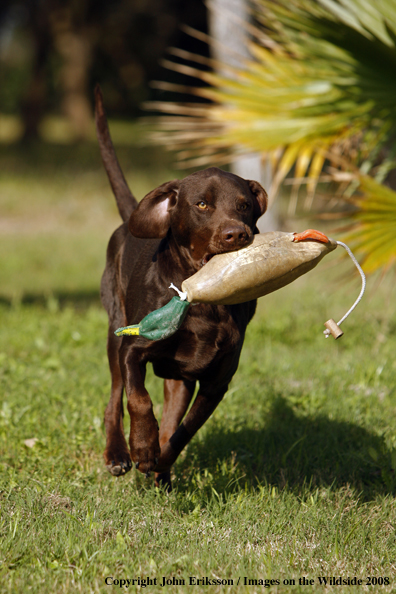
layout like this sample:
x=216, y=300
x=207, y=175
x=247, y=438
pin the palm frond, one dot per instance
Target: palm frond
x=374, y=234
x=320, y=85
x=319, y=88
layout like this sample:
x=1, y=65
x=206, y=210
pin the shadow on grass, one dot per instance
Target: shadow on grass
x=286, y=450
x=77, y=299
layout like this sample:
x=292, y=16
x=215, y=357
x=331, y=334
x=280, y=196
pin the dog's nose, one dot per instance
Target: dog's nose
x=235, y=236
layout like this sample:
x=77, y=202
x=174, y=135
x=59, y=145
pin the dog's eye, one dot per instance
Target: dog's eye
x=202, y=205
x=243, y=206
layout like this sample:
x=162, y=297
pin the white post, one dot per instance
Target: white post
x=225, y=26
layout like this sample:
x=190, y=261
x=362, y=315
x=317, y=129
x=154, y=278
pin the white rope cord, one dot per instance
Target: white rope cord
x=183, y=296
x=327, y=332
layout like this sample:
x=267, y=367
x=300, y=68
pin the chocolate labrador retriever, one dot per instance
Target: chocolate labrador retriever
x=166, y=238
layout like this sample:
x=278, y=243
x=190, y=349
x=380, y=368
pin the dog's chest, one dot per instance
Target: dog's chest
x=209, y=336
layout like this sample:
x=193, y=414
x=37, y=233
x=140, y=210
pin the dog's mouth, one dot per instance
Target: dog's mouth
x=223, y=249
x=209, y=256
x=206, y=259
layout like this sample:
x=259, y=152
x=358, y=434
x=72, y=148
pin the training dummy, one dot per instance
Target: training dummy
x=270, y=262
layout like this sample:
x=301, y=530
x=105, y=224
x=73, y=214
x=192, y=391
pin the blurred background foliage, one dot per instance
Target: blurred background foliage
x=53, y=52
x=56, y=208
x=315, y=98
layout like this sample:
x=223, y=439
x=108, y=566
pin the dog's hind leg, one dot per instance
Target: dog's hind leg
x=117, y=457
x=204, y=405
x=178, y=394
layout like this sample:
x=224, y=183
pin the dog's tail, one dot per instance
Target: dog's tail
x=126, y=201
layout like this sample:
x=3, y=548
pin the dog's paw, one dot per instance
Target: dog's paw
x=163, y=481
x=119, y=468
x=144, y=444
x=118, y=464
x=146, y=459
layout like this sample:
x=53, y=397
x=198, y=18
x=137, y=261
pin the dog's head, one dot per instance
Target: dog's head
x=208, y=212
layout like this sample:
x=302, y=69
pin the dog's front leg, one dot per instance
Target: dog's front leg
x=204, y=405
x=144, y=436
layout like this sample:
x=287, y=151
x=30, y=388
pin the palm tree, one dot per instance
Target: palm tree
x=318, y=97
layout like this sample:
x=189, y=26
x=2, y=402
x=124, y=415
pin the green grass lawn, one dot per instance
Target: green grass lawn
x=292, y=477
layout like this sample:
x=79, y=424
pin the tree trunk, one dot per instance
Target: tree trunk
x=33, y=104
x=75, y=49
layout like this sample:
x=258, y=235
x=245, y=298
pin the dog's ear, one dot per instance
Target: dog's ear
x=261, y=198
x=151, y=219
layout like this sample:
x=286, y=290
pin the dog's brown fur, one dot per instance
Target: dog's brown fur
x=166, y=238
